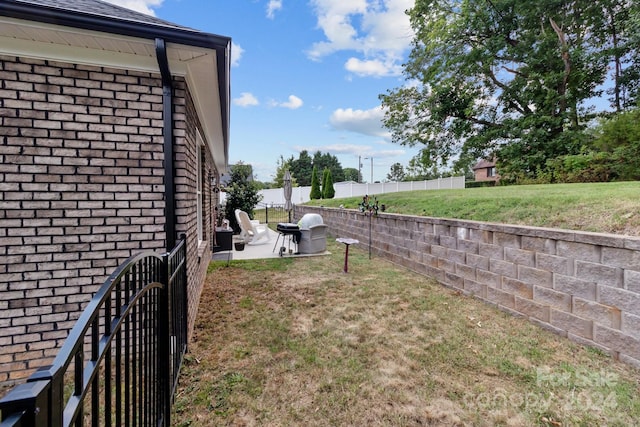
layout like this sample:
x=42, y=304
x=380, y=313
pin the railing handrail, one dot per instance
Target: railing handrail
x=73, y=406
x=142, y=279
x=14, y=419
x=76, y=336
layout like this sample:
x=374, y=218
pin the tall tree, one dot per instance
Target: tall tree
x=330, y=162
x=315, y=185
x=352, y=174
x=328, y=192
x=617, y=37
x=301, y=168
x=396, y=173
x=630, y=78
x=422, y=167
x=508, y=76
x=282, y=166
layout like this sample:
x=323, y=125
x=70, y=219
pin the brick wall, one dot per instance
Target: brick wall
x=187, y=150
x=584, y=286
x=81, y=190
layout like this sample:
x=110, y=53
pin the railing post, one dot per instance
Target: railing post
x=31, y=400
x=183, y=281
x=266, y=214
x=165, y=358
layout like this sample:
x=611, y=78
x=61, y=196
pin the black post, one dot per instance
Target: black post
x=167, y=133
x=370, y=215
x=164, y=359
x=28, y=404
x=266, y=214
x=185, y=299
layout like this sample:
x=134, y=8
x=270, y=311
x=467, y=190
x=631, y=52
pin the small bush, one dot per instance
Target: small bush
x=479, y=184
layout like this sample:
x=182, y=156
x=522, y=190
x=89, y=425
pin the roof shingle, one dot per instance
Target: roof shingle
x=102, y=9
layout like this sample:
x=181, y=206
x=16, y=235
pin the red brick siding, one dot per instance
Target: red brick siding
x=482, y=174
x=186, y=123
x=81, y=190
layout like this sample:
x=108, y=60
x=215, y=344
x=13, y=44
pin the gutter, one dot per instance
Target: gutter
x=167, y=132
x=139, y=29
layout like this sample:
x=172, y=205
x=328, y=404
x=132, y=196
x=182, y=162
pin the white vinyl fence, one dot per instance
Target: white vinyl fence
x=275, y=196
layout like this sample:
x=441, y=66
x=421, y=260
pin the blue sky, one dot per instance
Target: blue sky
x=306, y=75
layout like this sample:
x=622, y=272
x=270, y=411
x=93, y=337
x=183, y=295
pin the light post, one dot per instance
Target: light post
x=359, y=169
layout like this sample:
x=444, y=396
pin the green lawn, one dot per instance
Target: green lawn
x=600, y=207
x=288, y=342
x=298, y=342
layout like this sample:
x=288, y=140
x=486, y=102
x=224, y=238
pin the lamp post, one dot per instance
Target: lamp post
x=359, y=169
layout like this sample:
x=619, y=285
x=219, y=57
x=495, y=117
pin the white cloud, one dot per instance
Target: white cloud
x=236, y=54
x=334, y=19
x=142, y=6
x=386, y=154
x=272, y=7
x=293, y=103
x=374, y=67
x=378, y=29
x=263, y=171
x=366, y=122
x=336, y=149
x=246, y=99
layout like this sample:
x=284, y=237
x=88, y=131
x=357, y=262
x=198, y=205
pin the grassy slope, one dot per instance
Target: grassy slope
x=600, y=207
x=295, y=342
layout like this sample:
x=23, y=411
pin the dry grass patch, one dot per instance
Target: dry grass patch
x=297, y=342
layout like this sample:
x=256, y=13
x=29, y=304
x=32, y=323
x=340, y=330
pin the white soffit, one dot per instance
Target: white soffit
x=205, y=94
x=77, y=46
x=48, y=41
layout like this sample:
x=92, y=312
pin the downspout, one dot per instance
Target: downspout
x=167, y=132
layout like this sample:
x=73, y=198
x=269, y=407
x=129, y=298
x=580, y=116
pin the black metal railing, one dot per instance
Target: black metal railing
x=272, y=213
x=120, y=364
x=178, y=302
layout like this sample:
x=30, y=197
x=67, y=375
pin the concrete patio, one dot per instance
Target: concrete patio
x=267, y=249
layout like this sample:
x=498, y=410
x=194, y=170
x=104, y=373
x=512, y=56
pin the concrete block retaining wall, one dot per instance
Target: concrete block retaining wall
x=584, y=286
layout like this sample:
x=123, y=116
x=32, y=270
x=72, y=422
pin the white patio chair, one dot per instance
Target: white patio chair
x=251, y=232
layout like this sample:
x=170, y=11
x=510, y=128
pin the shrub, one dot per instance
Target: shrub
x=242, y=193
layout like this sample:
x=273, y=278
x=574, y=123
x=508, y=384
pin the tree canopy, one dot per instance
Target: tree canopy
x=396, y=173
x=512, y=78
x=352, y=174
x=302, y=167
x=242, y=193
x=282, y=166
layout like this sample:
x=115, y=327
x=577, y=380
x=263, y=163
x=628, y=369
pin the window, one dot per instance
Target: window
x=491, y=171
x=199, y=177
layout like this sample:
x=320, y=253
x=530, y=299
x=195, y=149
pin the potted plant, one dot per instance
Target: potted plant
x=238, y=244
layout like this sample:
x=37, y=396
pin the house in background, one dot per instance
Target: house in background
x=113, y=128
x=485, y=170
